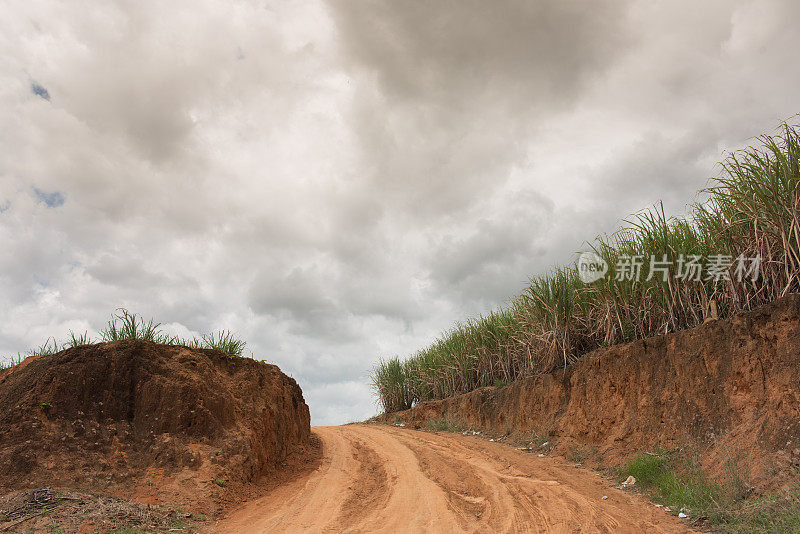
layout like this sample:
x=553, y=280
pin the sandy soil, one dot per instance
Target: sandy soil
x=377, y=478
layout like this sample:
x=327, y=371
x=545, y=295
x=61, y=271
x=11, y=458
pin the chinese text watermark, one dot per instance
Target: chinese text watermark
x=714, y=267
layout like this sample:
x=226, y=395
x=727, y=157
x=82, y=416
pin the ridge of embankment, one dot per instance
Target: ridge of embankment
x=730, y=388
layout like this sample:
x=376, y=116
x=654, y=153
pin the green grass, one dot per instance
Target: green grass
x=50, y=346
x=684, y=488
x=125, y=325
x=76, y=340
x=11, y=362
x=226, y=342
x=390, y=379
x=750, y=209
x=675, y=479
x=444, y=425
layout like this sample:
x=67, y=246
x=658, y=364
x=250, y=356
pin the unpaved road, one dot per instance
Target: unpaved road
x=376, y=478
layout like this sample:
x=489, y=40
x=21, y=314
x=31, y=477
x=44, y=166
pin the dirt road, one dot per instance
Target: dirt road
x=376, y=478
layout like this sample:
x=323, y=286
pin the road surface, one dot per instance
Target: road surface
x=378, y=478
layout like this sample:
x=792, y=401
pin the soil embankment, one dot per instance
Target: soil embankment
x=158, y=423
x=730, y=387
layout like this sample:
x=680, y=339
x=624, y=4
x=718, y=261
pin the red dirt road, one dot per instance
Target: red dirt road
x=376, y=478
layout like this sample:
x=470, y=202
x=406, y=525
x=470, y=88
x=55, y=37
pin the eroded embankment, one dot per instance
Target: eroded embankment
x=159, y=423
x=730, y=387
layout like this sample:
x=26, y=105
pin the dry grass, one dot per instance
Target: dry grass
x=47, y=510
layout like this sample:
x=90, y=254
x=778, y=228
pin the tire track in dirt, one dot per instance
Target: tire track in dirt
x=369, y=489
x=466, y=494
x=375, y=478
x=515, y=494
x=538, y=498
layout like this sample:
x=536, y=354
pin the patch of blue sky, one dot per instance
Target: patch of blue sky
x=52, y=200
x=40, y=91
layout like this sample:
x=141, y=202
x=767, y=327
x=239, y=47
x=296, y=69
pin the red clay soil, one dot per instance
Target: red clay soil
x=158, y=423
x=730, y=388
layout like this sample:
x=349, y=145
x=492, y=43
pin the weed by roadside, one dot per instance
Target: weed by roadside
x=444, y=425
x=582, y=454
x=674, y=479
x=670, y=479
x=774, y=514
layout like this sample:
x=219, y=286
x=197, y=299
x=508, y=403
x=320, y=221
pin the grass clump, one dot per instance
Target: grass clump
x=226, y=342
x=675, y=483
x=50, y=346
x=10, y=363
x=690, y=269
x=77, y=340
x=125, y=325
x=444, y=424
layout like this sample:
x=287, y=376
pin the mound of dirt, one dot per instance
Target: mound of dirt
x=163, y=424
x=729, y=387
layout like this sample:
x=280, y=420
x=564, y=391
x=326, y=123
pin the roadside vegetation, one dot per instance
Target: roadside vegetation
x=444, y=425
x=675, y=479
x=750, y=210
x=127, y=325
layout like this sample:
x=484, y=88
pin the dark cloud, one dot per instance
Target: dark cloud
x=448, y=55
x=460, y=85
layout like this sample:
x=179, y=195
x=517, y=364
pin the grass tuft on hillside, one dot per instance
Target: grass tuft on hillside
x=127, y=325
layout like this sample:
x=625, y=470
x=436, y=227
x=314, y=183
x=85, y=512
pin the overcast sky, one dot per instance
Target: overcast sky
x=340, y=181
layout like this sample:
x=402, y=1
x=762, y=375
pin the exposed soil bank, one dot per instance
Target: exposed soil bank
x=158, y=423
x=730, y=387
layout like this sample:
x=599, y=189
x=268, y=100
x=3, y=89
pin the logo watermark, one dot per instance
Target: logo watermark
x=591, y=267
x=714, y=267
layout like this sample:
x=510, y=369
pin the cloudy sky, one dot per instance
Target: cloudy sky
x=340, y=181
